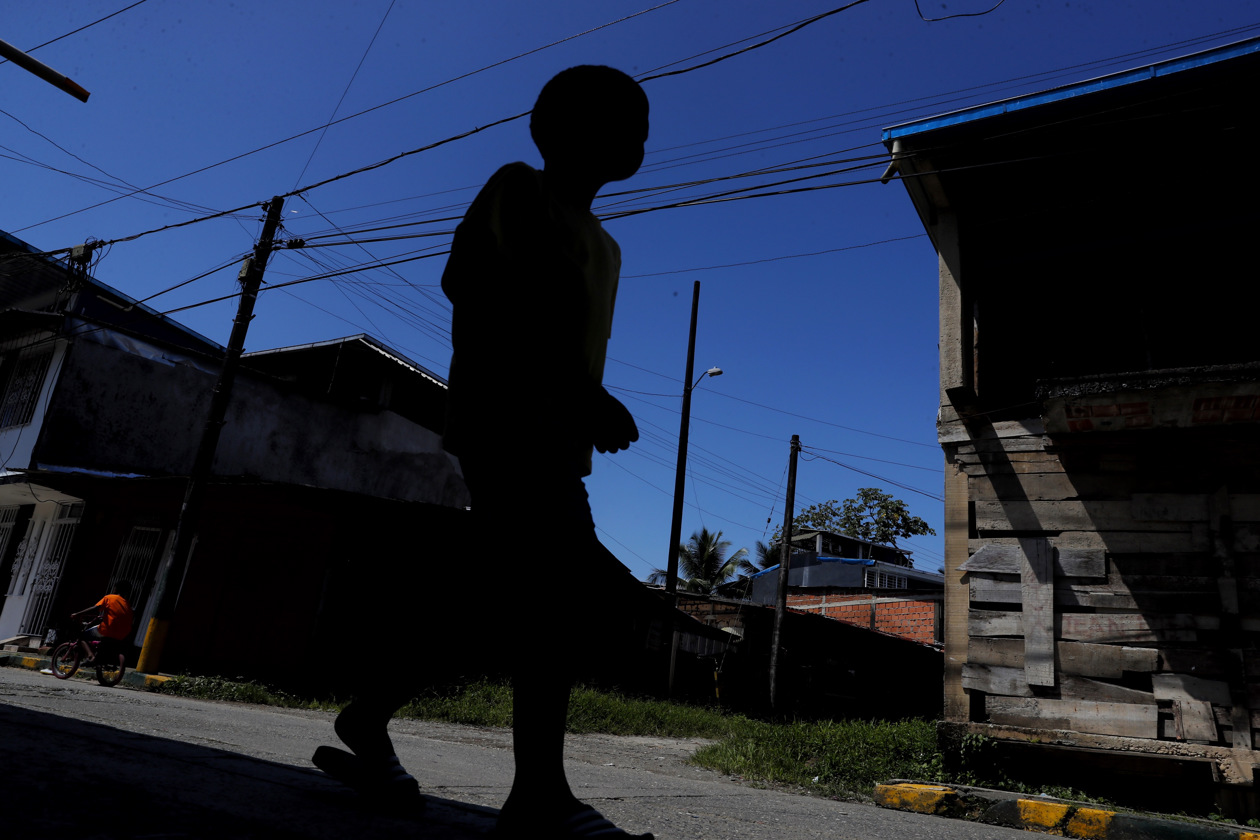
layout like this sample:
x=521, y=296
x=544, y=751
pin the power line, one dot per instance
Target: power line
x=793, y=28
x=349, y=84
x=368, y=111
x=958, y=14
x=81, y=28
x=884, y=479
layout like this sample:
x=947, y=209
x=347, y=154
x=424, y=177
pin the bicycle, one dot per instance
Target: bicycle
x=110, y=662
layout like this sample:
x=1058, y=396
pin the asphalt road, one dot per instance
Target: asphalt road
x=81, y=761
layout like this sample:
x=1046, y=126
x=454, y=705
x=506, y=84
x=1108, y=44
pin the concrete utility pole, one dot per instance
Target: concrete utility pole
x=785, y=561
x=42, y=70
x=166, y=593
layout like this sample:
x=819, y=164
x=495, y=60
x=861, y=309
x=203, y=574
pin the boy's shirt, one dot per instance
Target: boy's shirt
x=116, y=617
x=533, y=284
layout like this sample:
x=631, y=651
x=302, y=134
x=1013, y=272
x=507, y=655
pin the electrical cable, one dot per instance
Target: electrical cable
x=958, y=14
x=370, y=110
x=797, y=27
x=319, y=140
x=884, y=479
x=81, y=28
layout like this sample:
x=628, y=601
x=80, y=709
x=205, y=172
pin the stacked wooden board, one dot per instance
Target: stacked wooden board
x=1112, y=584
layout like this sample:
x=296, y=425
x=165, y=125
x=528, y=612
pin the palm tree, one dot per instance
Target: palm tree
x=767, y=557
x=702, y=563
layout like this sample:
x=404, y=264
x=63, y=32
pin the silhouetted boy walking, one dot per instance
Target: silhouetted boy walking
x=533, y=278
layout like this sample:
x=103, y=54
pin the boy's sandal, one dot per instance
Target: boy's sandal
x=586, y=824
x=382, y=782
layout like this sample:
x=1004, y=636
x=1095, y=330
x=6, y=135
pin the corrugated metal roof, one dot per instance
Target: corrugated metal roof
x=1116, y=80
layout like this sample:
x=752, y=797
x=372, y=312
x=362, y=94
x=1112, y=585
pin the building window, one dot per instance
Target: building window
x=875, y=579
x=22, y=386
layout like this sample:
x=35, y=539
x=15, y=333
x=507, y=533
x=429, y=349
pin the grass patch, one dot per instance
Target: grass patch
x=239, y=691
x=590, y=711
x=842, y=759
x=830, y=758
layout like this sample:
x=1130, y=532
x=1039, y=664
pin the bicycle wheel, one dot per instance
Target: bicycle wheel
x=110, y=668
x=65, y=660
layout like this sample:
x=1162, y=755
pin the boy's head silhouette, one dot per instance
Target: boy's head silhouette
x=590, y=122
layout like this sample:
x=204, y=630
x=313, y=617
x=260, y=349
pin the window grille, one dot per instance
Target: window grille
x=21, y=392
x=47, y=575
x=885, y=580
x=8, y=516
x=135, y=562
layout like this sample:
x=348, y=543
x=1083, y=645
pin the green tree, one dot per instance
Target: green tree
x=702, y=563
x=872, y=515
x=767, y=557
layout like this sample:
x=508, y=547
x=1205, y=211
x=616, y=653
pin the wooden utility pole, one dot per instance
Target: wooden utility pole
x=785, y=561
x=680, y=479
x=166, y=592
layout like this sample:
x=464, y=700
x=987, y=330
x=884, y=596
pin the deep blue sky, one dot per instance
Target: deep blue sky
x=820, y=305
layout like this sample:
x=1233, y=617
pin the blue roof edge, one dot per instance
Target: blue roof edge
x=1115, y=80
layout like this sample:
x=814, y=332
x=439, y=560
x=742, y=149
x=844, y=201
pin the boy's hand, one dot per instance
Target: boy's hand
x=612, y=427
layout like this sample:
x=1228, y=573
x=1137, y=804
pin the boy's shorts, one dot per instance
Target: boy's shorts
x=577, y=594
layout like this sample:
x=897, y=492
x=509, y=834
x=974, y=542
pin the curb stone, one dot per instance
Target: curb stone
x=134, y=679
x=1049, y=816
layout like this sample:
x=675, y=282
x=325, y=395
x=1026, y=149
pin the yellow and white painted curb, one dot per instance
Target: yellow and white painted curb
x=1048, y=816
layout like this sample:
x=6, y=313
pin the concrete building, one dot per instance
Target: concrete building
x=330, y=459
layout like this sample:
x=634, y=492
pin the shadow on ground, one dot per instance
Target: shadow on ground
x=75, y=779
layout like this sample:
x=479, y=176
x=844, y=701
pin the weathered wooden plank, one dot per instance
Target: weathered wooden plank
x=1068, y=562
x=1037, y=586
x=1136, y=627
x=1124, y=542
x=1083, y=688
x=1245, y=507
x=1247, y=539
x=978, y=465
x=1068, y=515
x=1002, y=446
x=1194, y=720
x=1240, y=727
x=994, y=623
x=1040, y=486
x=1202, y=662
x=1198, y=564
x=1008, y=682
x=993, y=431
x=1186, y=687
x=994, y=590
x=1005, y=653
x=1105, y=660
x=957, y=702
x=1077, y=658
x=1127, y=720
x=1172, y=507
x=1011, y=682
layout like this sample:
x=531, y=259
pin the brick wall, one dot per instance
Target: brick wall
x=909, y=617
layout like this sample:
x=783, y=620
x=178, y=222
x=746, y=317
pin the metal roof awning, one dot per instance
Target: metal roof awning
x=1059, y=94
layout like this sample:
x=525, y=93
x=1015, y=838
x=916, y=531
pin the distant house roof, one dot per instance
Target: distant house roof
x=360, y=371
x=32, y=280
x=314, y=348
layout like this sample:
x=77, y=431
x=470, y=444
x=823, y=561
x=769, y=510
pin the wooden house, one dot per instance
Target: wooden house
x=1100, y=410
